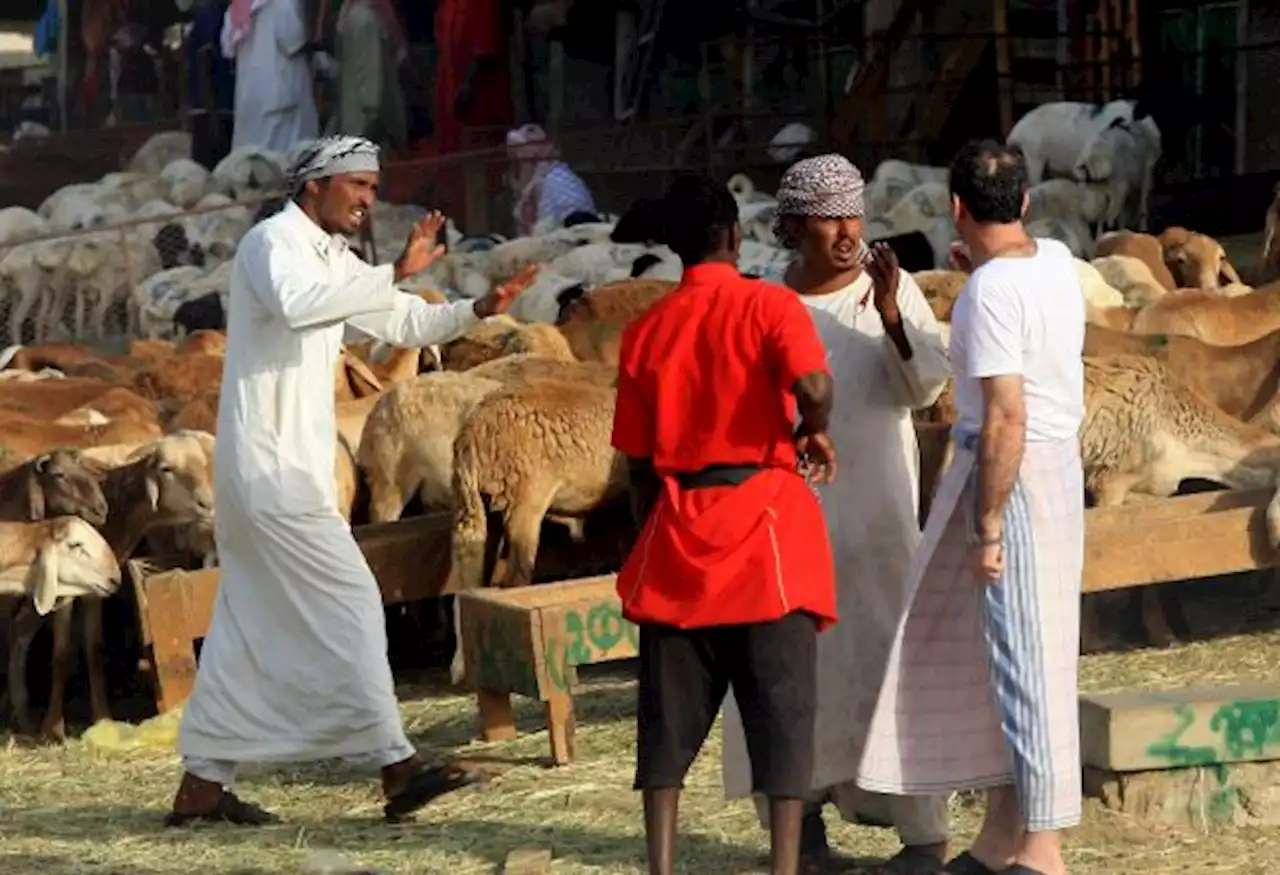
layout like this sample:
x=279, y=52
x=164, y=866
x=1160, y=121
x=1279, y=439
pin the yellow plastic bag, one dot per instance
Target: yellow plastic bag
x=157, y=733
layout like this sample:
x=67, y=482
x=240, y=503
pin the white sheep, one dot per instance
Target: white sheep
x=1070, y=230
x=55, y=561
x=159, y=150
x=1123, y=156
x=893, y=179
x=19, y=223
x=247, y=172
x=187, y=182
x=1131, y=277
x=1053, y=135
x=1064, y=198
x=1097, y=291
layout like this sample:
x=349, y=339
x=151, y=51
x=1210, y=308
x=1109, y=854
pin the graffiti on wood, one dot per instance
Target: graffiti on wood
x=593, y=634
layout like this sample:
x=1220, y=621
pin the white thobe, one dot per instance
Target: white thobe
x=294, y=666
x=872, y=521
x=274, y=104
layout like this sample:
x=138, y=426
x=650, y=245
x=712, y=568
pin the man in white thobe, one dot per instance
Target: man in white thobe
x=888, y=356
x=295, y=663
x=275, y=106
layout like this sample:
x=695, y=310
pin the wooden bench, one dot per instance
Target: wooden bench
x=409, y=558
x=530, y=641
x=1196, y=756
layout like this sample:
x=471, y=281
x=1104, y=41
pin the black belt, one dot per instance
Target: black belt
x=718, y=475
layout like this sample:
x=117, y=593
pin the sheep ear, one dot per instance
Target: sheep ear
x=42, y=579
x=35, y=494
x=152, y=483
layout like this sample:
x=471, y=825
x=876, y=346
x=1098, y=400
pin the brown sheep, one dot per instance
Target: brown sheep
x=529, y=452
x=593, y=324
x=204, y=342
x=179, y=379
x=1143, y=247
x=1212, y=319
x=524, y=367
x=503, y=335
x=166, y=483
x=57, y=483
x=941, y=289
x=1241, y=380
x=29, y=437
x=407, y=446
x=1196, y=261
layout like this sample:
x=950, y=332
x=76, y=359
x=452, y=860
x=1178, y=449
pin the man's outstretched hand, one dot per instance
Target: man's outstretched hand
x=422, y=247
x=501, y=296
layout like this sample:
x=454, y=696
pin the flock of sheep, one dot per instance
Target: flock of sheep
x=513, y=419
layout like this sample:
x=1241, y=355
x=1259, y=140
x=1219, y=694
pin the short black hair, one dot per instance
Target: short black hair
x=698, y=212
x=990, y=179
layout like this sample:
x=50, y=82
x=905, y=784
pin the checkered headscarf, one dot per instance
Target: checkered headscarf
x=825, y=186
x=330, y=156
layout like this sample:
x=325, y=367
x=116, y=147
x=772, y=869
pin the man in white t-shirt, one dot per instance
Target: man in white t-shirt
x=981, y=690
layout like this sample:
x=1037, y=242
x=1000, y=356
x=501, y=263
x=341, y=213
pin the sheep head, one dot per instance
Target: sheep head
x=60, y=484
x=178, y=472
x=1096, y=162
x=73, y=561
x=1200, y=262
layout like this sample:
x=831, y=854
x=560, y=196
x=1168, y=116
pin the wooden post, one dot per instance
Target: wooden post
x=1135, y=44
x=475, y=180
x=1105, y=29
x=1004, y=65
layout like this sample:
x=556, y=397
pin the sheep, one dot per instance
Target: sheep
x=1131, y=277
x=160, y=150
x=1145, y=432
x=523, y=367
x=1097, y=291
x=1196, y=261
x=186, y=181
x=941, y=288
x=165, y=483
x=533, y=451
x=1211, y=318
x=1065, y=198
x=502, y=335
x=1053, y=135
x=19, y=223
x=406, y=447
x=200, y=314
x=1123, y=156
x=1144, y=248
x=593, y=324
x=893, y=179
x=57, y=483
x=1070, y=230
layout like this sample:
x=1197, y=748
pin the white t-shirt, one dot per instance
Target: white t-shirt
x=1023, y=316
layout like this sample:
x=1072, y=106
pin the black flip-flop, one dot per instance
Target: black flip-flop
x=426, y=784
x=1019, y=869
x=967, y=864
x=230, y=809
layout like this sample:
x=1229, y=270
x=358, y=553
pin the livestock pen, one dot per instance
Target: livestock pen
x=82, y=807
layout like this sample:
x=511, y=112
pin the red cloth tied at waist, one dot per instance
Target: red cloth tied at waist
x=727, y=555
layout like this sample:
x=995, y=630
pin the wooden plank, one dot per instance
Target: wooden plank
x=1142, y=731
x=1004, y=65
x=1157, y=549
x=1187, y=506
x=500, y=646
x=527, y=861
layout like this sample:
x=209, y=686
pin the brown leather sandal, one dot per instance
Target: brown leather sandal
x=230, y=809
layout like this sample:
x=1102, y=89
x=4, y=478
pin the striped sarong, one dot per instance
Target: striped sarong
x=981, y=685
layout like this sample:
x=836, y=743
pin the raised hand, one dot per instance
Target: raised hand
x=502, y=295
x=422, y=248
x=883, y=268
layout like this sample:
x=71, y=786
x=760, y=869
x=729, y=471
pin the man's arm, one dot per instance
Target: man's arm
x=994, y=343
x=414, y=322
x=815, y=395
x=289, y=284
x=799, y=358
x=1000, y=446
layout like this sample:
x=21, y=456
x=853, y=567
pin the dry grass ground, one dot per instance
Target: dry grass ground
x=75, y=809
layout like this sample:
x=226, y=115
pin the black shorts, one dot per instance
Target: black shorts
x=684, y=675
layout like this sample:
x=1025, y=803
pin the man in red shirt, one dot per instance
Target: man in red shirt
x=731, y=577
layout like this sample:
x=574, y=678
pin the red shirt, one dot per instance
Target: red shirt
x=704, y=378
